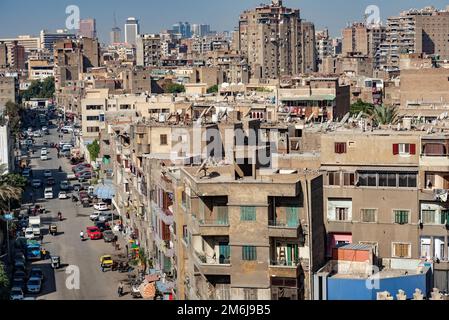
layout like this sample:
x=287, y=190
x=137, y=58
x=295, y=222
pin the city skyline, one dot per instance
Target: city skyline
x=154, y=17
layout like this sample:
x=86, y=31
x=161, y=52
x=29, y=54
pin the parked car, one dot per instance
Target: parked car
x=109, y=236
x=19, y=265
x=81, y=166
x=103, y=226
x=51, y=181
x=36, y=273
x=48, y=193
x=16, y=294
x=94, y=216
x=106, y=217
x=47, y=173
x=34, y=285
x=44, y=157
x=77, y=187
x=84, y=171
x=63, y=195
x=26, y=172
x=18, y=283
x=36, y=183
x=19, y=275
x=94, y=233
x=101, y=206
x=64, y=186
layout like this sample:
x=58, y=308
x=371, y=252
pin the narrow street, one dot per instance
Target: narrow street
x=94, y=284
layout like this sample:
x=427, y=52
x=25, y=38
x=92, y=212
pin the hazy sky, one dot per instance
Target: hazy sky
x=30, y=16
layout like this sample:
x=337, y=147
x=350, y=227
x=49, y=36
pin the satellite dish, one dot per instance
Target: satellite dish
x=310, y=117
x=345, y=118
x=359, y=116
x=203, y=167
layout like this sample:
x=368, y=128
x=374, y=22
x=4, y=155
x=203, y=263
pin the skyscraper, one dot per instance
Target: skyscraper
x=115, y=35
x=270, y=38
x=132, y=30
x=88, y=28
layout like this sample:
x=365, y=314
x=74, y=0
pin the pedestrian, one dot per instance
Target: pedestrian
x=120, y=289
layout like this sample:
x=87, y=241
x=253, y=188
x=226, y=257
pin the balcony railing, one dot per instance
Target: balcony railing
x=204, y=259
x=285, y=263
x=282, y=224
x=165, y=214
x=215, y=222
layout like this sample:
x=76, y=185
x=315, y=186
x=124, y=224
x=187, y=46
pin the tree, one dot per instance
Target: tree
x=94, y=150
x=384, y=115
x=361, y=106
x=4, y=282
x=40, y=89
x=14, y=112
x=175, y=88
x=8, y=191
x=213, y=89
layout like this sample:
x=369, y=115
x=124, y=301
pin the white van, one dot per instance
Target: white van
x=44, y=157
x=48, y=193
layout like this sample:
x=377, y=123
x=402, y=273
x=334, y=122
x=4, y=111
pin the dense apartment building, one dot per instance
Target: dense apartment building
x=270, y=38
x=72, y=58
x=363, y=40
x=148, y=51
x=416, y=31
x=9, y=90
x=309, y=56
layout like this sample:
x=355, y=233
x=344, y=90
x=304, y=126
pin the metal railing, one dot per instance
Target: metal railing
x=283, y=224
x=285, y=263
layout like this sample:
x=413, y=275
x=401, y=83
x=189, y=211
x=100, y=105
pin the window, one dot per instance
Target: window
x=342, y=214
x=334, y=178
x=249, y=253
x=407, y=180
x=94, y=107
x=369, y=215
x=349, y=178
x=425, y=247
x=428, y=216
x=250, y=294
x=92, y=118
x=404, y=149
x=163, y=140
x=340, y=147
x=401, y=216
x=93, y=129
x=401, y=250
x=444, y=216
x=248, y=213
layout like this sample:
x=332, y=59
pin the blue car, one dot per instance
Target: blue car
x=34, y=285
x=36, y=273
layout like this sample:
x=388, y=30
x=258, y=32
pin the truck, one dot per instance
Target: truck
x=35, y=224
x=33, y=250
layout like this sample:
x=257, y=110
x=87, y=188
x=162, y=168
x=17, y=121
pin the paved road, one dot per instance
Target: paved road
x=94, y=284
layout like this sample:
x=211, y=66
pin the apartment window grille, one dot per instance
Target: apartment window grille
x=342, y=214
x=164, y=140
x=444, y=217
x=250, y=294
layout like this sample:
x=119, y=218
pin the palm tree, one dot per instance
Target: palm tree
x=361, y=106
x=384, y=115
x=7, y=191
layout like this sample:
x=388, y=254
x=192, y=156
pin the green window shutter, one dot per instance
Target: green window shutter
x=292, y=217
x=444, y=216
x=249, y=253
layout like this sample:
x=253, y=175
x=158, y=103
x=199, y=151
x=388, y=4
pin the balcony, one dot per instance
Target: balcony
x=284, y=269
x=212, y=266
x=427, y=160
x=215, y=226
x=164, y=214
x=164, y=246
x=277, y=229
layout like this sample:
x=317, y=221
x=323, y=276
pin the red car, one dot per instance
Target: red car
x=94, y=233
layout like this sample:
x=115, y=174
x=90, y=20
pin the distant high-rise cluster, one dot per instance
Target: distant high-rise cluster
x=132, y=31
